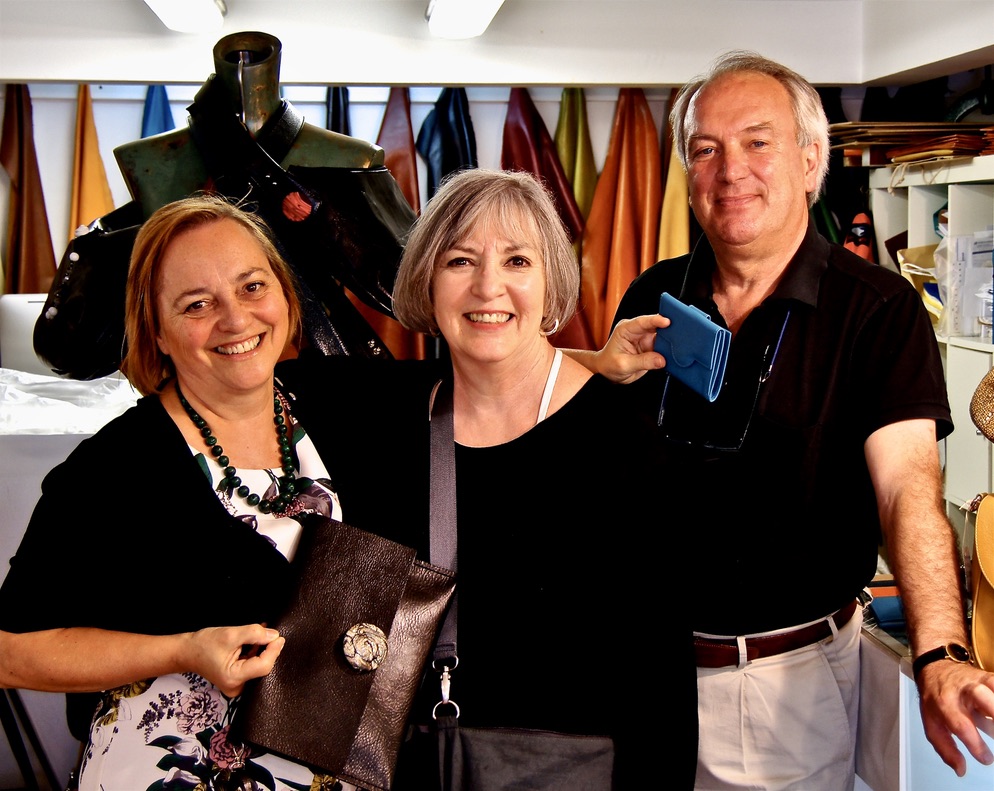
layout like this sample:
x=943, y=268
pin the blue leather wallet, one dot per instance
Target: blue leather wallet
x=695, y=348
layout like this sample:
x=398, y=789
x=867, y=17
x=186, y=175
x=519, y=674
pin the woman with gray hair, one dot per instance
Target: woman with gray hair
x=555, y=592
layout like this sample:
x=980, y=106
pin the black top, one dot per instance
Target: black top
x=123, y=521
x=786, y=526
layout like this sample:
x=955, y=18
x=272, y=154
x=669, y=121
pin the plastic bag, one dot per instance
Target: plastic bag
x=37, y=404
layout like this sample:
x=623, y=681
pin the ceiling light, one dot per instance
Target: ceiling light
x=190, y=16
x=460, y=18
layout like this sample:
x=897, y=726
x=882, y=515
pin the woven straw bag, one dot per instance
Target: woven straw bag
x=982, y=406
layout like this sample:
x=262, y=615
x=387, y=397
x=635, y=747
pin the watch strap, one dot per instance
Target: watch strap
x=955, y=651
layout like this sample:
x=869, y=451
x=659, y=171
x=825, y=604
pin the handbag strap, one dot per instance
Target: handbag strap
x=442, y=510
x=442, y=505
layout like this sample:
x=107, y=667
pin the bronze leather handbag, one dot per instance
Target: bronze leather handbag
x=359, y=630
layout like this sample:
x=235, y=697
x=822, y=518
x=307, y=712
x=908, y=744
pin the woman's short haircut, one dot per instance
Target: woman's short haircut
x=146, y=367
x=515, y=203
x=809, y=113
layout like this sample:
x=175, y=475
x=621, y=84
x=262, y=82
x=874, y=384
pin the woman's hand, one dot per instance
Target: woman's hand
x=90, y=660
x=228, y=656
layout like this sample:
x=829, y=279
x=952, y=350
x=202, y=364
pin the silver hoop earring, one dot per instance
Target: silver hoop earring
x=555, y=328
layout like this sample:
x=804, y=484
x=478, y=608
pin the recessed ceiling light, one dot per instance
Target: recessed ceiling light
x=460, y=18
x=190, y=16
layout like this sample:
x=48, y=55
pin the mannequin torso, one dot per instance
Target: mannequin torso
x=167, y=167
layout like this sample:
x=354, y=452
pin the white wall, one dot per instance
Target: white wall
x=913, y=40
x=386, y=42
x=530, y=42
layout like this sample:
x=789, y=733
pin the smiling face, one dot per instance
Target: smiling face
x=222, y=315
x=748, y=177
x=489, y=292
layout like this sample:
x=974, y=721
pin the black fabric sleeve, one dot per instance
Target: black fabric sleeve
x=899, y=357
x=128, y=535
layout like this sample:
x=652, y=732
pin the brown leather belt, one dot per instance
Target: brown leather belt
x=724, y=652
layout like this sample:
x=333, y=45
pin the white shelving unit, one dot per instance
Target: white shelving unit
x=906, y=198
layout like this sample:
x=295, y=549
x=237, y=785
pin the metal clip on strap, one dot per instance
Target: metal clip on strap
x=446, y=681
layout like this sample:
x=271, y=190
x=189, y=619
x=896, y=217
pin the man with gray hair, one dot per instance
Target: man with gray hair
x=821, y=446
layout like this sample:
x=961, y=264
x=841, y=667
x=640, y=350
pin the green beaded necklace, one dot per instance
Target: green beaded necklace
x=287, y=485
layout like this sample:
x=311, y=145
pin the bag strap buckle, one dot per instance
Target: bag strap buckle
x=445, y=681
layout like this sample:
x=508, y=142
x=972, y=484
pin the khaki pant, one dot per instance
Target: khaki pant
x=783, y=723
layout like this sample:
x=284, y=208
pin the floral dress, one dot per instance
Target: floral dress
x=172, y=732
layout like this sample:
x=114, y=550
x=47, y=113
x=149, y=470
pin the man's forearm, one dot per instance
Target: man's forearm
x=587, y=358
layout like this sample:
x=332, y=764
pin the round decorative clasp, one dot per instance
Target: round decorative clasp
x=365, y=646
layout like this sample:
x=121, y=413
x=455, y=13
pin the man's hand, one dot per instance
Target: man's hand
x=219, y=654
x=957, y=700
x=628, y=353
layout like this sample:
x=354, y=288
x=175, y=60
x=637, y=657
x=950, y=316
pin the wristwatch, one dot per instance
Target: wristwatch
x=954, y=651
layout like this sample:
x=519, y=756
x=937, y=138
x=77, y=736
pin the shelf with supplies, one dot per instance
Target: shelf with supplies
x=907, y=198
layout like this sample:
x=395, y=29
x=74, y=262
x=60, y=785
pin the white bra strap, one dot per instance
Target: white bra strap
x=550, y=385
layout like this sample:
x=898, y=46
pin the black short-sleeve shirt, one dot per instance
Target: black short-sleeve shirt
x=767, y=489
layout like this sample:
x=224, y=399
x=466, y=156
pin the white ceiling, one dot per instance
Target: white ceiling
x=530, y=42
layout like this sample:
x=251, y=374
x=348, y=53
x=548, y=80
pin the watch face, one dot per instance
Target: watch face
x=958, y=652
